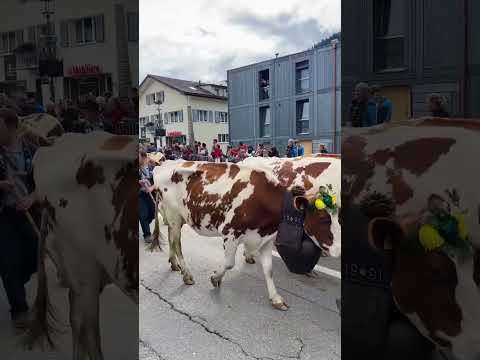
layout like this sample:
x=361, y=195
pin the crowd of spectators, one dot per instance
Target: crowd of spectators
x=214, y=153
x=87, y=113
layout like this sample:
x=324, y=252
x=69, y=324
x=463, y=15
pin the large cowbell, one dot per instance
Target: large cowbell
x=295, y=247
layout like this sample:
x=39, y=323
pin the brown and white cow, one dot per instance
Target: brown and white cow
x=309, y=173
x=238, y=203
x=88, y=187
x=412, y=163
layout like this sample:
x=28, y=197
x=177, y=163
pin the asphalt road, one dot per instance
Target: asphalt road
x=118, y=319
x=235, y=322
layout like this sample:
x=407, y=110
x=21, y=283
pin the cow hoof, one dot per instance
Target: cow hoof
x=175, y=267
x=250, y=260
x=280, y=306
x=216, y=282
x=188, y=280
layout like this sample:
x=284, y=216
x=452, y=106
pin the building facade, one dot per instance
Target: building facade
x=413, y=48
x=295, y=96
x=96, y=40
x=187, y=111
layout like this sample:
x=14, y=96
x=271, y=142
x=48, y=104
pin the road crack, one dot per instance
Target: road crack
x=150, y=349
x=205, y=327
x=298, y=355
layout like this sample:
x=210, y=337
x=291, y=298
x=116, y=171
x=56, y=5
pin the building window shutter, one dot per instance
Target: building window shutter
x=31, y=35
x=71, y=32
x=181, y=116
x=19, y=37
x=217, y=117
x=64, y=34
x=99, y=29
x=210, y=116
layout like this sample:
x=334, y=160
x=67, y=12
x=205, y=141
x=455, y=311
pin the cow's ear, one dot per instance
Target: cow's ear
x=300, y=202
x=384, y=233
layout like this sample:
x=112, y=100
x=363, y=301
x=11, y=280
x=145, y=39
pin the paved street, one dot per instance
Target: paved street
x=235, y=322
x=119, y=324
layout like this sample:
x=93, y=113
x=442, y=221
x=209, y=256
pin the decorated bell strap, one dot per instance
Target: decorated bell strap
x=325, y=199
x=446, y=231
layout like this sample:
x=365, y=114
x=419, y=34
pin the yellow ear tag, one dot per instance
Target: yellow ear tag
x=462, y=227
x=319, y=204
x=430, y=238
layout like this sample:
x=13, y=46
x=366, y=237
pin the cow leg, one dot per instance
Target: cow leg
x=174, y=238
x=172, y=258
x=266, y=261
x=84, y=299
x=231, y=246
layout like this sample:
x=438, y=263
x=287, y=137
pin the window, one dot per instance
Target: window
x=221, y=117
x=89, y=30
x=202, y=115
x=389, y=47
x=165, y=118
x=150, y=99
x=160, y=97
x=132, y=23
x=143, y=132
x=265, y=122
x=9, y=41
x=264, y=84
x=303, y=117
x=302, y=76
x=223, y=138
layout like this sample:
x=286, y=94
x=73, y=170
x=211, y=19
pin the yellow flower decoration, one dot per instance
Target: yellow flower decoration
x=334, y=200
x=462, y=227
x=319, y=204
x=430, y=238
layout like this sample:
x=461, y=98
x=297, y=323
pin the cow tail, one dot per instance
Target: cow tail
x=39, y=329
x=157, y=235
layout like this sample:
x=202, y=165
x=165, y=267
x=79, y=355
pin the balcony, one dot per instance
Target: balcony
x=26, y=56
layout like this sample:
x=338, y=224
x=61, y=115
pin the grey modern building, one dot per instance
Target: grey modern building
x=413, y=48
x=294, y=96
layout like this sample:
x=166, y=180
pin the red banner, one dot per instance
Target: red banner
x=86, y=69
x=175, y=133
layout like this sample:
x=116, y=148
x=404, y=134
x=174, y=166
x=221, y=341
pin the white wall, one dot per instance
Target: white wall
x=103, y=54
x=176, y=101
x=207, y=131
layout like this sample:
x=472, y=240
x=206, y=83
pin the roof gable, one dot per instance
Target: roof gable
x=184, y=86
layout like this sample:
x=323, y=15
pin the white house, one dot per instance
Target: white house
x=96, y=40
x=169, y=104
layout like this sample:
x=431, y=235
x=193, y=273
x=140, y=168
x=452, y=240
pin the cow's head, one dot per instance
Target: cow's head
x=437, y=287
x=319, y=226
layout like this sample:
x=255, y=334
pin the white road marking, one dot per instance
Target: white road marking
x=322, y=269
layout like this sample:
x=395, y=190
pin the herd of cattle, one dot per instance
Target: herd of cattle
x=88, y=186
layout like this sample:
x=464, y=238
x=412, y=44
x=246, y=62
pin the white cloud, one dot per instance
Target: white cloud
x=202, y=39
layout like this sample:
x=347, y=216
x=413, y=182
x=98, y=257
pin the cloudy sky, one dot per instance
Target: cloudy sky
x=201, y=39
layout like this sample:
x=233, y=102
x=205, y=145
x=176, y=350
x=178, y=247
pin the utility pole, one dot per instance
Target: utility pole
x=48, y=49
x=159, y=124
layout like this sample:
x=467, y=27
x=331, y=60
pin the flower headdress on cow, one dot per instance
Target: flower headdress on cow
x=325, y=199
x=443, y=229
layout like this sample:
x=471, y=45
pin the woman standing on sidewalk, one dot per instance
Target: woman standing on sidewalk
x=146, y=204
x=18, y=242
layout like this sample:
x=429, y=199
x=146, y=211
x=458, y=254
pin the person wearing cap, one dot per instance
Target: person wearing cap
x=291, y=150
